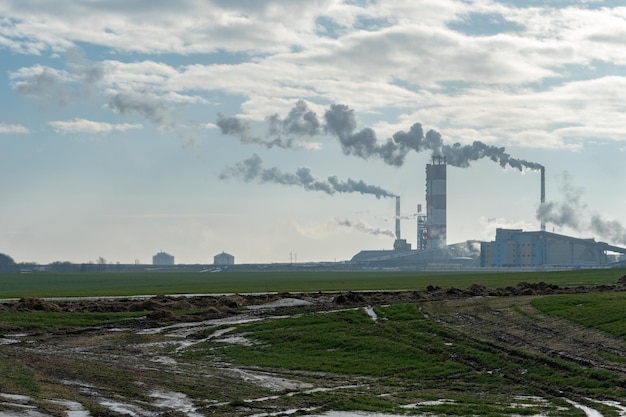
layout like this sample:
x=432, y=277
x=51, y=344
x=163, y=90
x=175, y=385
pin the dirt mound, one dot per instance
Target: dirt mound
x=35, y=304
x=349, y=298
x=220, y=305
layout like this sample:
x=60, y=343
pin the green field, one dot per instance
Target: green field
x=602, y=311
x=125, y=284
x=480, y=356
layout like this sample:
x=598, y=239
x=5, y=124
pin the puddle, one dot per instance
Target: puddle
x=283, y=302
x=175, y=401
x=11, y=338
x=125, y=409
x=164, y=360
x=236, y=340
x=370, y=312
x=73, y=408
x=284, y=412
x=29, y=413
x=352, y=414
x=589, y=412
x=14, y=397
x=621, y=409
x=427, y=403
x=270, y=382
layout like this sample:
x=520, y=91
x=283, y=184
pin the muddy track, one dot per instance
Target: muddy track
x=513, y=323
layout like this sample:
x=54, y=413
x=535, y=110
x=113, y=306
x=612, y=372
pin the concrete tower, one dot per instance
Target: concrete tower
x=543, y=195
x=436, y=203
x=398, y=237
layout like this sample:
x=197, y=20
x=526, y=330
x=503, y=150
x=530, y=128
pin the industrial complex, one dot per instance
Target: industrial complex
x=510, y=249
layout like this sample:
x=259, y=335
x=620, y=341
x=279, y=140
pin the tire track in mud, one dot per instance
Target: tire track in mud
x=518, y=330
x=514, y=322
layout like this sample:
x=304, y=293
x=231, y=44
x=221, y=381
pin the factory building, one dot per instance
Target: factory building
x=163, y=258
x=223, y=259
x=516, y=248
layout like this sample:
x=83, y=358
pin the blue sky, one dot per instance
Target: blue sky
x=113, y=141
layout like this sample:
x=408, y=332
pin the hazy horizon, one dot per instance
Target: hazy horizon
x=265, y=129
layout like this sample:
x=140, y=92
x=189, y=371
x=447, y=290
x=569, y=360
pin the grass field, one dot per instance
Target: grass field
x=125, y=284
x=481, y=356
x=602, y=311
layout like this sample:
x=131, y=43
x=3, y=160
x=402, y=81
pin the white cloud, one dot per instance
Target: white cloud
x=12, y=128
x=510, y=88
x=89, y=126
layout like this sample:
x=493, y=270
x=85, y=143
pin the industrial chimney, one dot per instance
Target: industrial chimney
x=399, y=244
x=398, y=217
x=543, y=194
x=436, y=203
x=421, y=229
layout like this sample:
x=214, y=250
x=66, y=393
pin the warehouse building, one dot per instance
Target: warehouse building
x=516, y=248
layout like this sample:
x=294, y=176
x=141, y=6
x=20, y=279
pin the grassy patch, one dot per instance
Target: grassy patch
x=602, y=311
x=123, y=284
x=17, y=378
x=403, y=348
x=47, y=320
x=402, y=343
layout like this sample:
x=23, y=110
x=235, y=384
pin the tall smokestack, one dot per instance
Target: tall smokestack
x=398, y=217
x=543, y=195
x=436, y=203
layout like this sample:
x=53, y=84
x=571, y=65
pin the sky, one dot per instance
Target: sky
x=281, y=130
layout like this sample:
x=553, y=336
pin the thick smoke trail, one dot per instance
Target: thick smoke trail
x=461, y=156
x=285, y=133
x=252, y=169
x=340, y=121
x=572, y=213
x=362, y=227
x=299, y=122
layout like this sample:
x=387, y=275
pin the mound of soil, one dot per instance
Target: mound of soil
x=229, y=304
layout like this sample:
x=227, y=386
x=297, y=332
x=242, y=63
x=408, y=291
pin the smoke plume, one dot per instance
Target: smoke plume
x=285, y=133
x=573, y=213
x=252, y=169
x=340, y=121
x=365, y=228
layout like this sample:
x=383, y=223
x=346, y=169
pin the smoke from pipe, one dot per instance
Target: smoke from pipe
x=252, y=169
x=365, y=228
x=285, y=133
x=340, y=121
x=573, y=213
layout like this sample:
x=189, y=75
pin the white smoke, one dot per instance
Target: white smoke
x=571, y=212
